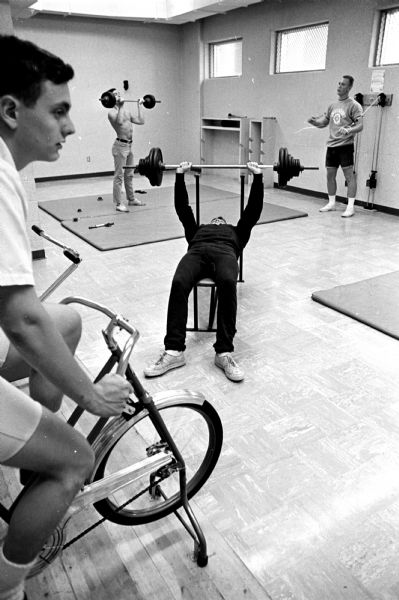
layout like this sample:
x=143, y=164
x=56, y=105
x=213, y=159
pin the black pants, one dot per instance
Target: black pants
x=204, y=261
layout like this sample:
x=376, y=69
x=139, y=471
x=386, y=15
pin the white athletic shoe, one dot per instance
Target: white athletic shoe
x=327, y=207
x=229, y=366
x=165, y=363
x=122, y=208
x=348, y=213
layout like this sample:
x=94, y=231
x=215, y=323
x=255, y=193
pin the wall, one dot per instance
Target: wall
x=293, y=97
x=103, y=54
x=170, y=61
x=189, y=100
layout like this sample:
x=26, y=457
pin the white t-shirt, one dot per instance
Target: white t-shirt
x=15, y=249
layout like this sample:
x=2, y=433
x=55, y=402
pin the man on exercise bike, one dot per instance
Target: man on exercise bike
x=35, y=339
x=213, y=251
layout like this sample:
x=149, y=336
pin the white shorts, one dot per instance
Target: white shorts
x=19, y=418
x=4, y=346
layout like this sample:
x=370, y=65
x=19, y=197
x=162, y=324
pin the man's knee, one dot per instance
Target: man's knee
x=68, y=322
x=331, y=174
x=349, y=174
x=73, y=325
x=76, y=465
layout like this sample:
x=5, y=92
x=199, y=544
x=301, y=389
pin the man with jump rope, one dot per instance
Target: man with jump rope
x=35, y=339
x=344, y=118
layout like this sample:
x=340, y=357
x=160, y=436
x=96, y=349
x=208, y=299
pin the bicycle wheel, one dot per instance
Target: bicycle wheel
x=197, y=432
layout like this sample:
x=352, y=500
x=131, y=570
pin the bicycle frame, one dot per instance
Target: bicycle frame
x=144, y=402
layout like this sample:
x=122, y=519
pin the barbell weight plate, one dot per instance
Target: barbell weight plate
x=108, y=100
x=152, y=167
x=158, y=162
x=149, y=101
x=282, y=167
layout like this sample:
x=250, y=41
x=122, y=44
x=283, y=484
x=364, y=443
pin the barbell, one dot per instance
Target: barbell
x=152, y=167
x=108, y=100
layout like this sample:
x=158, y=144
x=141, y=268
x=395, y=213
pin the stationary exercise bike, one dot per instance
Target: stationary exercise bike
x=151, y=459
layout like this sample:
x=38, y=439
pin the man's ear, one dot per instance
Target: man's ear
x=9, y=110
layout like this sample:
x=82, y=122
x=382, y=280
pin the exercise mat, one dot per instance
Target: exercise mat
x=99, y=206
x=373, y=302
x=156, y=221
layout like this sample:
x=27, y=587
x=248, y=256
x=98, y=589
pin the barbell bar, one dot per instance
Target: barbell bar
x=152, y=167
x=108, y=100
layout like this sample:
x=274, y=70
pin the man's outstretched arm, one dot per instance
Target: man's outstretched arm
x=254, y=206
x=182, y=206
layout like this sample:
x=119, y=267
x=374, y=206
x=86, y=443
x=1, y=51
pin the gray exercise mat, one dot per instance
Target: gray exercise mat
x=141, y=226
x=102, y=205
x=373, y=301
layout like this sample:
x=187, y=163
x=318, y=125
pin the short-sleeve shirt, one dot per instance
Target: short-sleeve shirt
x=342, y=113
x=15, y=250
x=19, y=414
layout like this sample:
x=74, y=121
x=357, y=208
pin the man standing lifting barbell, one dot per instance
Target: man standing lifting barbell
x=344, y=118
x=213, y=251
x=122, y=121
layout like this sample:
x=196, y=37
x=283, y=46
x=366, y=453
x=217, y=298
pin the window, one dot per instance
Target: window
x=225, y=58
x=301, y=49
x=388, y=38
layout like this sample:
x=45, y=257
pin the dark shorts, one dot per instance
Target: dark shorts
x=340, y=156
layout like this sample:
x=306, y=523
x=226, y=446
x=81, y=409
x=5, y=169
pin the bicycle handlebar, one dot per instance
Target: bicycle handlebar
x=69, y=253
x=115, y=321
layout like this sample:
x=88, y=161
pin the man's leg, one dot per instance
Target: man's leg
x=128, y=179
x=226, y=273
x=62, y=459
x=350, y=177
x=69, y=324
x=119, y=152
x=190, y=269
x=331, y=189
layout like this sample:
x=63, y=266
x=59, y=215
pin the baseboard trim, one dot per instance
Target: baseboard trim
x=77, y=176
x=38, y=254
x=315, y=194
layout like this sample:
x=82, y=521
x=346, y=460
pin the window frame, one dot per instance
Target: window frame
x=211, y=46
x=276, y=40
x=379, y=38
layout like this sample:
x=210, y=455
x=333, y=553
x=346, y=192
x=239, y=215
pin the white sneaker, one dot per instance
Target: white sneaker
x=136, y=202
x=122, y=208
x=348, y=213
x=165, y=363
x=229, y=366
x=327, y=207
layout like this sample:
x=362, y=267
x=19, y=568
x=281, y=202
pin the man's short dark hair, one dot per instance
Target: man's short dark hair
x=25, y=66
x=349, y=78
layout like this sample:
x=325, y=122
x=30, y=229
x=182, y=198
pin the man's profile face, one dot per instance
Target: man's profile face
x=43, y=128
x=344, y=87
x=218, y=221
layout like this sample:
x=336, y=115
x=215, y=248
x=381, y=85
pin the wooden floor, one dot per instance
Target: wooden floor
x=304, y=503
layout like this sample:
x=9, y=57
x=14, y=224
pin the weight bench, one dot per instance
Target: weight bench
x=209, y=283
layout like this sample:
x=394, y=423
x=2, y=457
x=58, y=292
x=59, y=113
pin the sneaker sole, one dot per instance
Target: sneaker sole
x=164, y=371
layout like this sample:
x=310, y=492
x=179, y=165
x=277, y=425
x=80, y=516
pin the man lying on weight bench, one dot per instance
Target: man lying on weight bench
x=213, y=251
